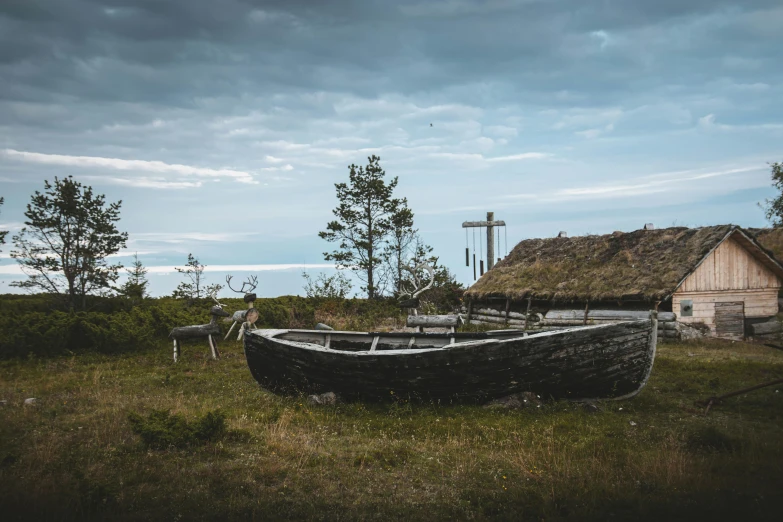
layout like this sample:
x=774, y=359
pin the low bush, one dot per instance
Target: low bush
x=162, y=430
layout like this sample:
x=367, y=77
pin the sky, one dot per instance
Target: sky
x=223, y=126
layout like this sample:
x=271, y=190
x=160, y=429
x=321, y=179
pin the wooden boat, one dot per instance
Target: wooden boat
x=610, y=361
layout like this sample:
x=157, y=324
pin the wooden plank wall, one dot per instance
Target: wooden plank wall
x=758, y=303
x=730, y=267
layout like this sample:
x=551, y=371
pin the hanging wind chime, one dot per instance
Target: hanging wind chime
x=490, y=225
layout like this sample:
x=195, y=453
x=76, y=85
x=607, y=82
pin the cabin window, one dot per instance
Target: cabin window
x=686, y=308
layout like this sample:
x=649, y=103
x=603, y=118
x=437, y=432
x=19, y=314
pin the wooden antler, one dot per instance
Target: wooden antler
x=252, y=282
x=213, y=296
x=417, y=288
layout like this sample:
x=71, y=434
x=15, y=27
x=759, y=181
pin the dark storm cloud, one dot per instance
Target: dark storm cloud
x=174, y=52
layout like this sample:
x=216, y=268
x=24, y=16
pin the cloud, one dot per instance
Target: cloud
x=501, y=131
x=594, y=133
x=641, y=186
x=602, y=37
x=181, y=237
x=123, y=164
x=521, y=157
x=709, y=122
x=162, y=270
x=144, y=182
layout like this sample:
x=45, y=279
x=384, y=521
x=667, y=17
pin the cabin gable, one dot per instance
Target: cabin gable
x=730, y=267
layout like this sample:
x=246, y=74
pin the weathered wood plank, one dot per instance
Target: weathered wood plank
x=434, y=320
x=611, y=315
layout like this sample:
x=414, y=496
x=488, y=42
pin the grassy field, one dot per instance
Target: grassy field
x=73, y=455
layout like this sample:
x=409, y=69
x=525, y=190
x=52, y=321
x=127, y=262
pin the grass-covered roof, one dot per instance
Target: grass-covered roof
x=770, y=238
x=644, y=264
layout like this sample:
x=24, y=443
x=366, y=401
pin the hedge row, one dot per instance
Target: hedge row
x=38, y=325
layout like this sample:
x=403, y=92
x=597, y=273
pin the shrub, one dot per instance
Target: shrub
x=710, y=438
x=161, y=430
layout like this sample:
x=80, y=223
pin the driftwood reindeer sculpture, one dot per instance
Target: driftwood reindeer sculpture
x=412, y=294
x=210, y=330
x=247, y=318
x=412, y=303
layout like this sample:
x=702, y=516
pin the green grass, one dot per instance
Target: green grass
x=74, y=455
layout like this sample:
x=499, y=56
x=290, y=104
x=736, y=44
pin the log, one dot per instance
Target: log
x=770, y=327
x=250, y=315
x=468, y=224
x=498, y=313
x=498, y=320
x=435, y=321
x=194, y=331
x=609, y=315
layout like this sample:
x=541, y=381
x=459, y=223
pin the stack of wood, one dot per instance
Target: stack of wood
x=769, y=330
x=554, y=319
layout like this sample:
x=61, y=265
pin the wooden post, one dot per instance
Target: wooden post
x=527, y=312
x=470, y=308
x=508, y=308
x=586, y=310
x=490, y=241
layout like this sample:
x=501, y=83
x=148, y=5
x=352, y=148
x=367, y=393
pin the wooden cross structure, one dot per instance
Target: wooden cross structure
x=490, y=224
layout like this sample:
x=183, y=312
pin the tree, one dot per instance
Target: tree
x=774, y=207
x=363, y=222
x=136, y=285
x=71, y=233
x=195, y=289
x=3, y=233
x=330, y=287
x=402, y=237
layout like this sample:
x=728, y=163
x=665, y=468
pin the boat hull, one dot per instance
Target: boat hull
x=593, y=362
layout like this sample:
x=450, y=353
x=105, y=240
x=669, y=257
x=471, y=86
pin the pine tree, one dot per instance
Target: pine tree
x=68, y=236
x=136, y=285
x=363, y=222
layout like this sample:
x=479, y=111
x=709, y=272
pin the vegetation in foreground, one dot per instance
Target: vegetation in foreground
x=81, y=453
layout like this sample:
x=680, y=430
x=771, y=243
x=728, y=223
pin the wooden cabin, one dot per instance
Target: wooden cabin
x=717, y=280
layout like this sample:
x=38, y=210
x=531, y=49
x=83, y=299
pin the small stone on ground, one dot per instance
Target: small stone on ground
x=515, y=401
x=325, y=399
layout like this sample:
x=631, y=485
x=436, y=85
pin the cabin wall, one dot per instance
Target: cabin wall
x=759, y=303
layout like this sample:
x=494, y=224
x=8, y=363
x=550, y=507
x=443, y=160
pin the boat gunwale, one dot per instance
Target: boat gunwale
x=273, y=336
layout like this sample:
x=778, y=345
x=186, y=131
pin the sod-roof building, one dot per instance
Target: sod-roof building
x=716, y=278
